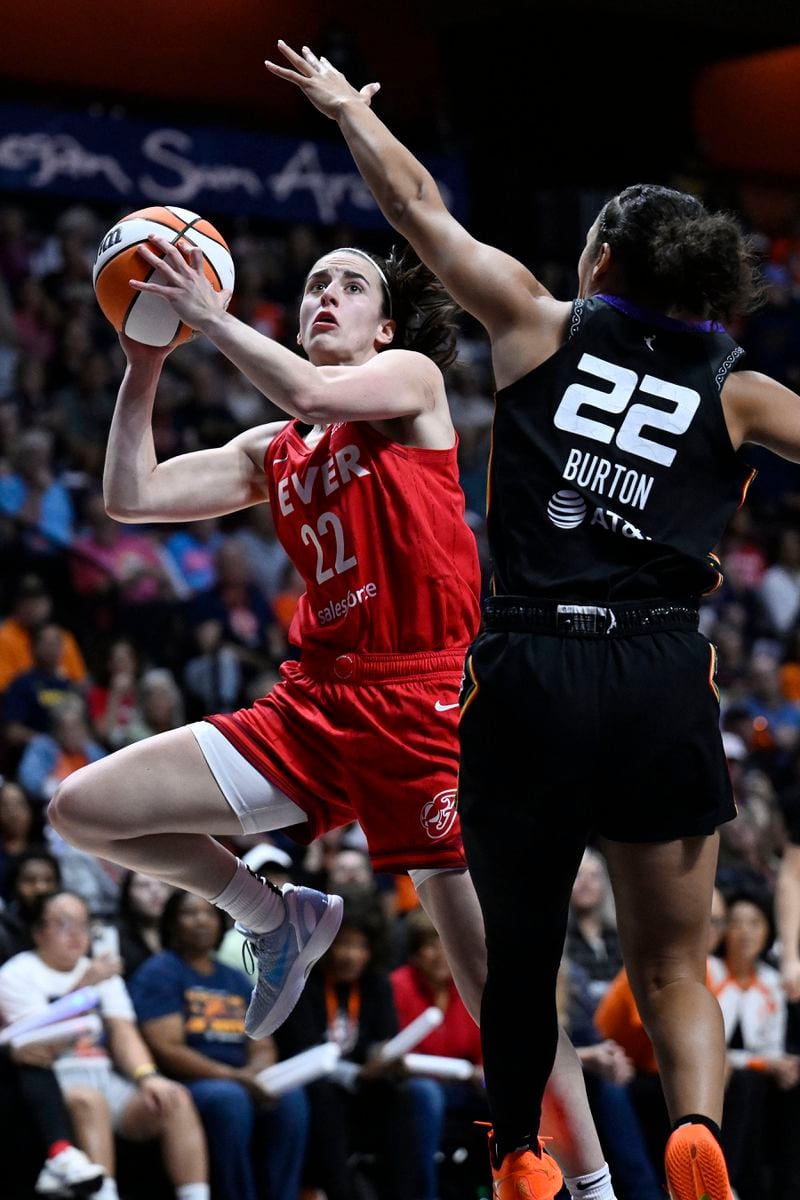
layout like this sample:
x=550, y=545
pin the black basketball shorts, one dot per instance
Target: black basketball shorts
x=619, y=736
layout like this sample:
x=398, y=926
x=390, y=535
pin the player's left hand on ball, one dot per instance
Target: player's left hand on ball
x=138, y=352
x=179, y=277
x=325, y=86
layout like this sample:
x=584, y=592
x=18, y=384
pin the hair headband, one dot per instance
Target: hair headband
x=378, y=268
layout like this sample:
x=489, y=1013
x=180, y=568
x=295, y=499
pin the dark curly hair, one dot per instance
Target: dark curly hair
x=425, y=314
x=674, y=253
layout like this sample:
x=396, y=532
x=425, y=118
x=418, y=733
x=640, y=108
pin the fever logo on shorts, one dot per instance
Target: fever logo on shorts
x=439, y=814
x=566, y=509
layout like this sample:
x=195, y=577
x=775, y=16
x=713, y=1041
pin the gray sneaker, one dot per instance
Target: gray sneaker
x=69, y=1173
x=285, y=955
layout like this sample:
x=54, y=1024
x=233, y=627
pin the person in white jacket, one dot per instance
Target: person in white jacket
x=762, y=1101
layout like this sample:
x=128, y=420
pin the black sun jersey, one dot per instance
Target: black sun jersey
x=612, y=475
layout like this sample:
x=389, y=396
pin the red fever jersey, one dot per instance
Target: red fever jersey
x=365, y=726
x=377, y=531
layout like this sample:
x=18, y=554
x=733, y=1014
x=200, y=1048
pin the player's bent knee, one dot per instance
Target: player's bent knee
x=75, y=813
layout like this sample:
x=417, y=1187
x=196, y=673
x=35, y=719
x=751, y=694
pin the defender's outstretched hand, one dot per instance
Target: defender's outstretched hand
x=326, y=88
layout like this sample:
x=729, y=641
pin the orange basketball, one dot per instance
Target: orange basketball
x=144, y=317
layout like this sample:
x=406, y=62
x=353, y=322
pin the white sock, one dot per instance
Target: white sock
x=193, y=1191
x=595, y=1186
x=108, y=1191
x=251, y=901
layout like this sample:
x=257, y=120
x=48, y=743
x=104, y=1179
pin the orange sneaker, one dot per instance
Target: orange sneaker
x=523, y=1175
x=695, y=1165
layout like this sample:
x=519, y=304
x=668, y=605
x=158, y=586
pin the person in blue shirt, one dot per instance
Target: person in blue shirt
x=33, y=695
x=191, y=1009
x=33, y=494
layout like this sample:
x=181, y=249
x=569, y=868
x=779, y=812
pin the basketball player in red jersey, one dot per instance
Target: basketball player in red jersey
x=364, y=487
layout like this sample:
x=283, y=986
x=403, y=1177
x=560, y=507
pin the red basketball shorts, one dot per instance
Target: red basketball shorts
x=369, y=738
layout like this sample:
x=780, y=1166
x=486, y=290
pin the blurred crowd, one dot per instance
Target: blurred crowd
x=110, y=633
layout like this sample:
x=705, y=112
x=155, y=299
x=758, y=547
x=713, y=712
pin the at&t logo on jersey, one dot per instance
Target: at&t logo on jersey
x=566, y=509
x=439, y=814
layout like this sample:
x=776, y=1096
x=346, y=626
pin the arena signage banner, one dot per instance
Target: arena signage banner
x=104, y=157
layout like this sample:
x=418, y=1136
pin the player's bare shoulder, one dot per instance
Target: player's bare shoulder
x=760, y=410
x=540, y=327
x=427, y=423
x=255, y=442
x=416, y=371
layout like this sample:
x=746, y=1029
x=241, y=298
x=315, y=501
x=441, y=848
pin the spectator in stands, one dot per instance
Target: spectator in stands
x=95, y=879
x=30, y=395
x=34, y=495
x=608, y=1072
x=160, y=706
x=33, y=608
x=17, y=822
x=51, y=757
x=35, y=321
x=424, y=982
x=141, y=907
x=192, y=1008
x=762, y=1099
x=83, y=410
x=128, y=1095
x=33, y=695
x=204, y=419
x=779, y=718
x=35, y=873
x=112, y=702
x=348, y=1000
x=266, y=557
x=213, y=678
x=592, y=941
x=16, y=242
x=109, y=554
x=192, y=549
x=751, y=852
x=32, y=1109
x=790, y=669
x=241, y=609
x=732, y=650
x=780, y=588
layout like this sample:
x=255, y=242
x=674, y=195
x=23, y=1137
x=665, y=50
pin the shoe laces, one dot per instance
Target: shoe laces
x=248, y=958
x=541, y=1139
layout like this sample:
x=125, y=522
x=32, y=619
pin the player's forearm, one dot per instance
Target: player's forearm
x=130, y=453
x=283, y=376
x=397, y=180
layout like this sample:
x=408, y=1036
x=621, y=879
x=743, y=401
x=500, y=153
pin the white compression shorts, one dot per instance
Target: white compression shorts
x=256, y=802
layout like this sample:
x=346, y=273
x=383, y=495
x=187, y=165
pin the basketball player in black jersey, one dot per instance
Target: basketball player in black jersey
x=590, y=703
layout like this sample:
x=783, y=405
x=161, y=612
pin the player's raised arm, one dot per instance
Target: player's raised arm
x=204, y=483
x=762, y=411
x=496, y=288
